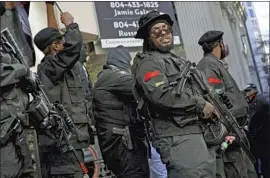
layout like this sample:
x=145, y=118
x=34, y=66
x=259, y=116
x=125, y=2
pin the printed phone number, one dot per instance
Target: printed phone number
x=134, y=4
x=125, y=24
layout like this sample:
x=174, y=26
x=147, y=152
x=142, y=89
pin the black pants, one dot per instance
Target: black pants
x=186, y=156
x=262, y=152
x=124, y=163
x=10, y=163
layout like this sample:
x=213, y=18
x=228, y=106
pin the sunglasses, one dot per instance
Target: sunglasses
x=157, y=32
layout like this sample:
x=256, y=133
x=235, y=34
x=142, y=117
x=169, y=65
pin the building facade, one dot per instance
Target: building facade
x=255, y=36
x=195, y=18
x=108, y=24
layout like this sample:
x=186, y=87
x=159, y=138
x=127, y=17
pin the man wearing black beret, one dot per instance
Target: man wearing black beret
x=236, y=163
x=62, y=82
x=177, y=135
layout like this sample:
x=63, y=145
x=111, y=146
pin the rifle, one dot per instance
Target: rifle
x=226, y=116
x=181, y=80
x=40, y=108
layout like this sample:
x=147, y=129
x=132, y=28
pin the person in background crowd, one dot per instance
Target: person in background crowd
x=124, y=151
x=259, y=128
x=157, y=168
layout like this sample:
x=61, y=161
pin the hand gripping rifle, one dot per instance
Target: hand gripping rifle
x=226, y=116
x=40, y=109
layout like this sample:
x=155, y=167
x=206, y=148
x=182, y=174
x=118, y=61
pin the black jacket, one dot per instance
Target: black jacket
x=172, y=114
x=113, y=89
x=62, y=79
x=220, y=79
x=259, y=112
x=113, y=101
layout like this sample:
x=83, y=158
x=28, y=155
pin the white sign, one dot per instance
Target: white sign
x=128, y=42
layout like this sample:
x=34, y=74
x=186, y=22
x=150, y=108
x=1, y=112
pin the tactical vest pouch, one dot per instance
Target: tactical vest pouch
x=77, y=109
x=181, y=122
x=214, y=133
x=75, y=90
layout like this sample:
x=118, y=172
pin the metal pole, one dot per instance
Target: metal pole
x=59, y=7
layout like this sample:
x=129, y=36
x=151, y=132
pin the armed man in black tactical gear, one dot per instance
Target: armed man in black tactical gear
x=175, y=115
x=236, y=163
x=17, y=157
x=259, y=128
x=59, y=72
x=120, y=130
x=20, y=118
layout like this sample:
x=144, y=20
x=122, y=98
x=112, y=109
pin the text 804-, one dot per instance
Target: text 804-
x=119, y=4
x=125, y=24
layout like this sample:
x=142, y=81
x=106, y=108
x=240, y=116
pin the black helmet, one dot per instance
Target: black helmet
x=148, y=19
x=250, y=86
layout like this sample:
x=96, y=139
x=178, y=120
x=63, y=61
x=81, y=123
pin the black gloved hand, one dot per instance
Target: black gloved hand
x=28, y=84
x=224, y=97
x=50, y=2
x=49, y=121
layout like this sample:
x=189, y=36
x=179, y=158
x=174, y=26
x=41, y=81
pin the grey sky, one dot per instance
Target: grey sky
x=262, y=13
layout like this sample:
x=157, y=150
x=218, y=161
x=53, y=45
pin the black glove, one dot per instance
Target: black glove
x=226, y=100
x=50, y=2
x=49, y=121
x=28, y=84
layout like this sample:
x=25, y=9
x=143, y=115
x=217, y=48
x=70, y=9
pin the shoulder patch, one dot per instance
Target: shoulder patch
x=150, y=75
x=213, y=80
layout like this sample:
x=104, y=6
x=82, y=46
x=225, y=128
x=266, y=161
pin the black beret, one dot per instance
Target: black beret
x=210, y=37
x=45, y=37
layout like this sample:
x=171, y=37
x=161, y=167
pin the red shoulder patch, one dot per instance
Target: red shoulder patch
x=213, y=80
x=150, y=75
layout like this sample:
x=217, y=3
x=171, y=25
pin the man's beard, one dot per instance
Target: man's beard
x=162, y=49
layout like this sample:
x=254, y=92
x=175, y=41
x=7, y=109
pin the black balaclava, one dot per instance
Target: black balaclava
x=148, y=45
x=120, y=58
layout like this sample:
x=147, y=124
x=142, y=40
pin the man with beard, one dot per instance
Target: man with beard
x=115, y=107
x=236, y=163
x=258, y=129
x=175, y=118
x=59, y=71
